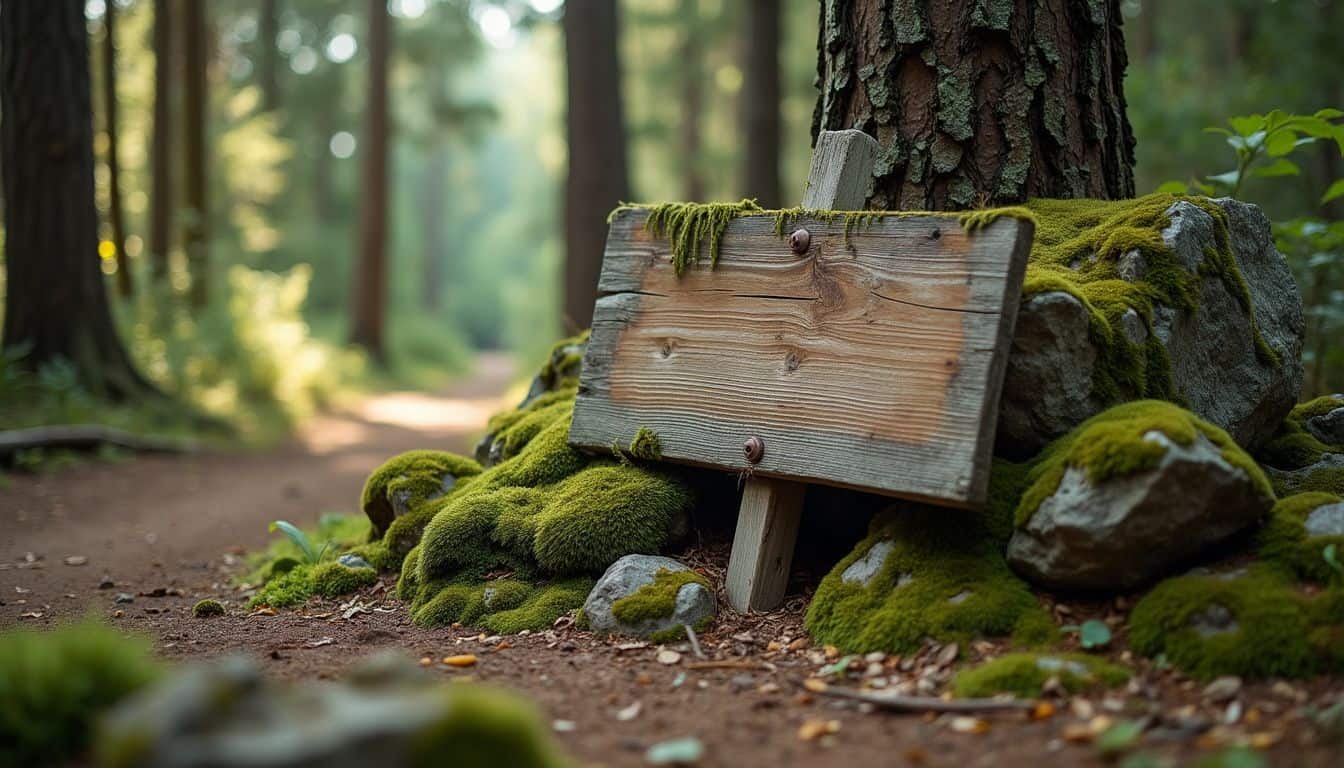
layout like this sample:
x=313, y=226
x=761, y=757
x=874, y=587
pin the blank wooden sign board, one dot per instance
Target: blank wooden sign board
x=872, y=360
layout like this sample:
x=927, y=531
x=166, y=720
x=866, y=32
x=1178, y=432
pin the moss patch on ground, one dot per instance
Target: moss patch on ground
x=207, y=608
x=334, y=534
x=296, y=586
x=1023, y=674
x=1285, y=542
x=942, y=575
x=1253, y=623
x=1112, y=445
x=1080, y=247
x=484, y=726
x=54, y=684
x=1292, y=446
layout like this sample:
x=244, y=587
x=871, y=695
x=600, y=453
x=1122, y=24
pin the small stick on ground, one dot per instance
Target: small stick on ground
x=729, y=664
x=695, y=641
x=901, y=703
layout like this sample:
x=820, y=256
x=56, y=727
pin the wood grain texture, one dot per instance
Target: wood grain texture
x=841, y=175
x=767, y=528
x=873, y=361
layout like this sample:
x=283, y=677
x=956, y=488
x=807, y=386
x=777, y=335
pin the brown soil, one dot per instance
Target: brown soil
x=171, y=526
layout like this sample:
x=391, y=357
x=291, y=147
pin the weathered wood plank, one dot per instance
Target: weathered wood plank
x=872, y=361
x=841, y=173
x=767, y=528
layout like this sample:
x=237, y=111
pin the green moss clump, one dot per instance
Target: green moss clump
x=55, y=684
x=657, y=599
x=329, y=580
x=1112, y=444
x=505, y=606
x=1253, y=624
x=1292, y=446
x=645, y=445
x=943, y=576
x=1023, y=674
x=486, y=727
x=460, y=540
x=411, y=479
x=1284, y=540
x=207, y=608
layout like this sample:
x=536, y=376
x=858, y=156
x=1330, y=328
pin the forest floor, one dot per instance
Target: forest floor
x=168, y=530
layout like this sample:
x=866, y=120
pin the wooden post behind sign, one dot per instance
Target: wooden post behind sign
x=767, y=521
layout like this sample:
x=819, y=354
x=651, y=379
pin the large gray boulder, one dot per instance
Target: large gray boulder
x=692, y=605
x=1127, y=531
x=388, y=713
x=1048, y=387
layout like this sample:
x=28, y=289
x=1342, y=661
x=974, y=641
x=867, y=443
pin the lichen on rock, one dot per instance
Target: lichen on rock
x=649, y=596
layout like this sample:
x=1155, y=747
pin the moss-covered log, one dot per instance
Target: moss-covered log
x=979, y=102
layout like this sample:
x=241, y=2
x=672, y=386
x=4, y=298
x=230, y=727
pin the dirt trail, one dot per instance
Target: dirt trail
x=166, y=524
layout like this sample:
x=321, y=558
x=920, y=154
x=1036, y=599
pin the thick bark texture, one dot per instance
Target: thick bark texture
x=597, y=180
x=195, y=224
x=980, y=102
x=161, y=170
x=760, y=102
x=125, y=285
x=56, y=301
x=369, y=293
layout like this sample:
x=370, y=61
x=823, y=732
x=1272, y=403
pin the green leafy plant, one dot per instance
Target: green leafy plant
x=311, y=554
x=1262, y=144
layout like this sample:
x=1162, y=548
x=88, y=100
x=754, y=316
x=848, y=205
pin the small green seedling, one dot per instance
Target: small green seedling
x=311, y=555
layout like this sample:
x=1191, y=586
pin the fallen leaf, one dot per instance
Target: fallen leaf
x=629, y=713
x=813, y=729
x=1078, y=733
x=814, y=685
x=462, y=660
x=1043, y=710
x=969, y=725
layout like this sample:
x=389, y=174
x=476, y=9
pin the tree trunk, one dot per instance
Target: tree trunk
x=432, y=212
x=597, y=181
x=980, y=102
x=369, y=292
x=161, y=171
x=125, y=283
x=196, y=219
x=761, y=102
x=692, y=99
x=56, y=300
x=268, y=58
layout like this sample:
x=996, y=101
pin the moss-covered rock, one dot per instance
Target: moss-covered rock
x=926, y=572
x=54, y=685
x=409, y=480
x=1296, y=445
x=1253, y=622
x=650, y=596
x=1130, y=494
x=207, y=608
x=1299, y=530
x=1023, y=675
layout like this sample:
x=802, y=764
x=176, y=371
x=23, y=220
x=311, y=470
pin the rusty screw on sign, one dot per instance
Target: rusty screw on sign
x=800, y=241
x=754, y=449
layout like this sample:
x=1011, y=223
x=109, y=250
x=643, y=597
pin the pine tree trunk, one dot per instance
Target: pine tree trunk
x=196, y=219
x=368, y=306
x=761, y=102
x=980, y=102
x=56, y=301
x=268, y=59
x=125, y=282
x=692, y=99
x=431, y=212
x=597, y=181
x=160, y=151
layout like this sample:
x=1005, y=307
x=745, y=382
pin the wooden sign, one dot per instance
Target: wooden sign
x=872, y=359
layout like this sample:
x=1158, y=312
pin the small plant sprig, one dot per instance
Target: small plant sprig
x=1332, y=559
x=311, y=555
x=1262, y=144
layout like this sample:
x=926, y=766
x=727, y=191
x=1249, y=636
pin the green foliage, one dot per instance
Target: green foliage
x=54, y=684
x=333, y=533
x=1112, y=444
x=944, y=577
x=1284, y=541
x=311, y=554
x=1262, y=144
x=1254, y=624
x=1314, y=248
x=1023, y=674
x=207, y=608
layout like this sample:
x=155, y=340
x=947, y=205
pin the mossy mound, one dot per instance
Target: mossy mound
x=55, y=684
x=1023, y=675
x=207, y=608
x=483, y=727
x=396, y=496
x=926, y=572
x=1253, y=622
x=513, y=547
x=1285, y=541
x=1293, y=446
x=297, y=585
x=1112, y=445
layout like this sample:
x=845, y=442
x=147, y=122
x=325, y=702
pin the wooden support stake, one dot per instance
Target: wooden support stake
x=767, y=521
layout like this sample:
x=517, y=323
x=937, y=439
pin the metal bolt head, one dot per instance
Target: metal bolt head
x=800, y=241
x=754, y=449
